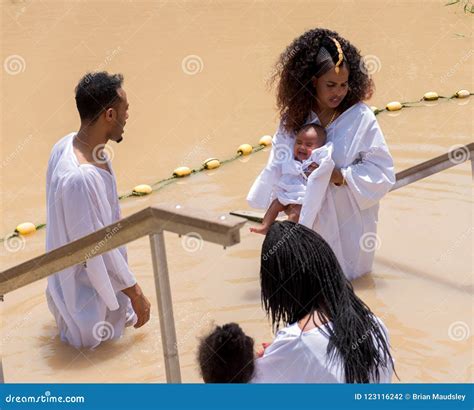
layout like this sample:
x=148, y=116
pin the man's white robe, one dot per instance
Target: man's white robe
x=345, y=216
x=86, y=299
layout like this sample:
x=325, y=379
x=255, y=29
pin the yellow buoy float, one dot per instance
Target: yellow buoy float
x=266, y=140
x=462, y=94
x=394, y=106
x=245, y=149
x=430, y=96
x=182, y=172
x=211, y=163
x=25, y=228
x=142, y=189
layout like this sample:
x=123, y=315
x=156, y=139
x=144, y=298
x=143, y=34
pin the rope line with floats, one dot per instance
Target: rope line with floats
x=28, y=228
x=429, y=96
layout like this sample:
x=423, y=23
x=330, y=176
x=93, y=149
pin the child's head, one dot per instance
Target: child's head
x=226, y=355
x=308, y=138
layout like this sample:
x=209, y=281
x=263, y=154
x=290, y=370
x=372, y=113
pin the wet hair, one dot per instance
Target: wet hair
x=321, y=131
x=226, y=355
x=297, y=66
x=96, y=92
x=300, y=275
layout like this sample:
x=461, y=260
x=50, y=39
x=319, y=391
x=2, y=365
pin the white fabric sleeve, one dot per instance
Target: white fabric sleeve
x=318, y=183
x=260, y=194
x=109, y=272
x=372, y=175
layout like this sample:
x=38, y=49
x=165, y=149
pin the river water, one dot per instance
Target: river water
x=195, y=76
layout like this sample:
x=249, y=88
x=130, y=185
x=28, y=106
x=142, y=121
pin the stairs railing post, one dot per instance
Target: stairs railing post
x=165, y=307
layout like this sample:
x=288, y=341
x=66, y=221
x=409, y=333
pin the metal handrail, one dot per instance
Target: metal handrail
x=152, y=221
x=452, y=158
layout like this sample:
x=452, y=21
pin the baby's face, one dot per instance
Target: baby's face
x=306, y=141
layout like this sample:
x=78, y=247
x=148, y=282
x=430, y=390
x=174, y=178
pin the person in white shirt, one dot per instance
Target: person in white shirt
x=322, y=79
x=330, y=335
x=94, y=301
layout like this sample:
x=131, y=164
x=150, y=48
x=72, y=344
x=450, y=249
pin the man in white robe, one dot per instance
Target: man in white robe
x=347, y=217
x=94, y=301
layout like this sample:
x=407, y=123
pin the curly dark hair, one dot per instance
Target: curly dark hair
x=296, y=67
x=226, y=355
x=96, y=92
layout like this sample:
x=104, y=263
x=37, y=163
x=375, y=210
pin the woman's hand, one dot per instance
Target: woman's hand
x=336, y=177
x=313, y=166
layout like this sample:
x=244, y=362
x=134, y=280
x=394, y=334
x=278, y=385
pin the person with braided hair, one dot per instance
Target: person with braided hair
x=321, y=78
x=330, y=335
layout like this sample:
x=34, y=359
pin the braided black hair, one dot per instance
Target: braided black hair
x=300, y=275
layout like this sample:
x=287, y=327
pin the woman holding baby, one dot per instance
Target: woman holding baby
x=322, y=79
x=328, y=169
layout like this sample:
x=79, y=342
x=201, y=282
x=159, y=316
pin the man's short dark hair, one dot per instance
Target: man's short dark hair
x=97, y=92
x=226, y=355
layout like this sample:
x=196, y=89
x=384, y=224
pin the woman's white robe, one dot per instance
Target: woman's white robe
x=345, y=216
x=86, y=300
x=291, y=186
x=301, y=357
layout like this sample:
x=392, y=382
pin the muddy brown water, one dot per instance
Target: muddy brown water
x=185, y=109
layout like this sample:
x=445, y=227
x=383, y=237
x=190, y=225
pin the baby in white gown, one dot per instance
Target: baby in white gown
x=290, y=189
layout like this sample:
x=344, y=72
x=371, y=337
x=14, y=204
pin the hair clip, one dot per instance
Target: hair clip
x=340, y=54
